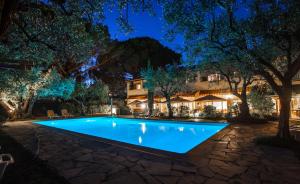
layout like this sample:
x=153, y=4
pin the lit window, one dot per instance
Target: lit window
x=214, y=77
x=138, y=86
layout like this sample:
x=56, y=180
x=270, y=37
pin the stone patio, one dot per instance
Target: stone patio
x=229, y=157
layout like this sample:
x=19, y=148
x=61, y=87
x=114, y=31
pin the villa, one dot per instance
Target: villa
x=204, y=90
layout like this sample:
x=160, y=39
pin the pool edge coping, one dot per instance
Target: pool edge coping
x=143, y=149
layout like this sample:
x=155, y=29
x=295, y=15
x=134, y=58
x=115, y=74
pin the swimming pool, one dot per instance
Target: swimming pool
x=172, y=136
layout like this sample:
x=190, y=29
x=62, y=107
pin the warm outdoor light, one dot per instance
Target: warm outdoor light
x=114, y=110
x=229, y=96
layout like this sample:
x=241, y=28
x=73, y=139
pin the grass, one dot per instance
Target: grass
x=275, y=141
x=26, y=169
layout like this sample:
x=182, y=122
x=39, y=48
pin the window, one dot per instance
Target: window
x=138, y=86
x=214, y=77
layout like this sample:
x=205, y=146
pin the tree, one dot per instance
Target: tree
x=261, y=101
x=130, y=57
x=166, y=81
x=19, y=90
x=53, y=34
x=85, y=95
x=149, y=84
x=40, y=41
x=237, y=76
x=267, y=33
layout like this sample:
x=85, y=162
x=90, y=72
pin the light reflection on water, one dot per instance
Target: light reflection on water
x=140, y=140
x=143, y=127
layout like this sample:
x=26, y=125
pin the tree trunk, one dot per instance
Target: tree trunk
x=22, y=107
x=244, y=108
x=83, y=109
x=150, y=102
x=284, y=116
x=82, y=106
x=30, y=106
x=170, y=112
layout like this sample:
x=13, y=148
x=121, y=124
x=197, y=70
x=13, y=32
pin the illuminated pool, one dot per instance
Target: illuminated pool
x=172, y=136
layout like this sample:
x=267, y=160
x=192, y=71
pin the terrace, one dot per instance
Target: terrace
x=229, y=157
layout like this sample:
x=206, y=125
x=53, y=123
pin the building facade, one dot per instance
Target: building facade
x=205, y=90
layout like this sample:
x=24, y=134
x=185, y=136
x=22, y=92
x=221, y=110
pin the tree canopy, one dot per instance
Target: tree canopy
x=129, y=57
x=166, y=82
x=265, y=33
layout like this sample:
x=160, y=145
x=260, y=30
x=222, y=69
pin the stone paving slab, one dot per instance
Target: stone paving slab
x=232, y=157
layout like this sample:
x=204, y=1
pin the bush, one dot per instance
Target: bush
x=261, y=102
x=210, y=111
x=183, y=111
x=124, y=110
x=156, y=112
x=71, y=107
x=234, y=110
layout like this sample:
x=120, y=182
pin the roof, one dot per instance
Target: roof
x=135, y=79
x=154, y=101
x=210, y=98
x=142, y=97
x=178, y=99
x=135, y=102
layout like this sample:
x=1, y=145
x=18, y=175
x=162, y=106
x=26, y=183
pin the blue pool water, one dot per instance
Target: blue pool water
x=173, y=136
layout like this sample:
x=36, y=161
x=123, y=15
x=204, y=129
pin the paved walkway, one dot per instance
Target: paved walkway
x=231, y=157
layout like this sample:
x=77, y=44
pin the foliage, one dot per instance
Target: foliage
x=167, y=82
x=58, y=33
x=57, y=87
x=261, y=101
x=210, y=111
x=87, y=96
x=22, y=88
x=238, y=77
x=183, y=111
x=233, y=110
x=51, y=36
x=47, y=35
x=265, y=38
x=130, y=56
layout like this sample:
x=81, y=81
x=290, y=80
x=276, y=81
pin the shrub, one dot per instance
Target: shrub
x=71, y=107
x=261, y=102
x=124, y=110
x=183, y=111
x=210, y=111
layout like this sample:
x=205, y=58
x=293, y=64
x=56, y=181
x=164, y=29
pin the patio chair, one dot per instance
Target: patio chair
x=5, y=160
x=65, y=113
x=51, y=114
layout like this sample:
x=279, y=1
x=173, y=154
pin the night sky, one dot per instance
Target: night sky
x=144, y=24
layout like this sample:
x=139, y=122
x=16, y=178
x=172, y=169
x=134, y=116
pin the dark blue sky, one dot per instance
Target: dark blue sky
x=143, y=24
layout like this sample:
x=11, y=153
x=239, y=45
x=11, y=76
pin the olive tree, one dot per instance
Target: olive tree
x=166, y=81
x=85, y=95
x=266, y=32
